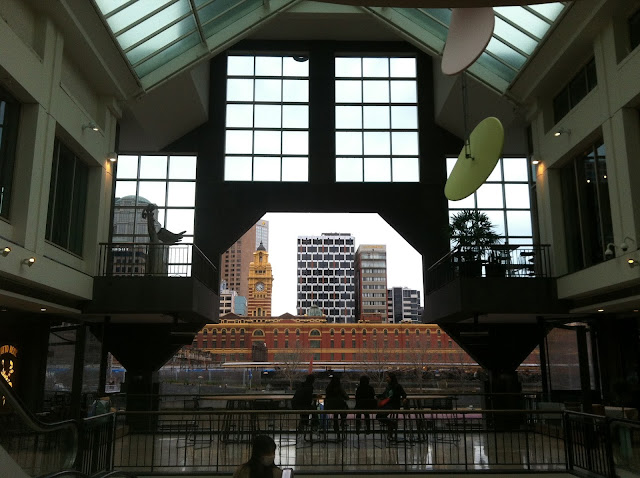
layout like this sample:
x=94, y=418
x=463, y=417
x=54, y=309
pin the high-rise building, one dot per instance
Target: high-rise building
x=403, y=304
x=227, y=300
x=235, y=260
x=371, y=281
x=260, y=284
x=326, y=275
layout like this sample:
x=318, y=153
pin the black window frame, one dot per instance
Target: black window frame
x=67, y=202
x=9, y=125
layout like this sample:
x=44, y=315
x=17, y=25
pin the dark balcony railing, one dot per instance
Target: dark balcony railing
x=502, y=260
x=129, y=259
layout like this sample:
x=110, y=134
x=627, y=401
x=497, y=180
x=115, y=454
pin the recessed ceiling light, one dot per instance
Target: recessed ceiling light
x=600, y=310
x=635, y=310
x=43, y=309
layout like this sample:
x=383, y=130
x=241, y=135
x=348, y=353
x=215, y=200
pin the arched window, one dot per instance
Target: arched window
x=396, y=332
x=286, y=332
x=428, y=333
x=233, y=331
x=438, y=332
x=315, y=333
x=275, y=332
x=214, y=332
x=407, y=333
x=353, y=332
x=364, y=332
x=224, y=331
x=375, y=331
x=297, y=332
x=385, y=332
x=332, y=332
x=417, y=331
x=258, y=333
x=204, y=331
x=342, y=332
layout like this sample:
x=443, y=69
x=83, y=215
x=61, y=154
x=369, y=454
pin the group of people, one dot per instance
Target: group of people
x=261, y=464
x=336, y=399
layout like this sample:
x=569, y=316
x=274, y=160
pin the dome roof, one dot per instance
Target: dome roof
x=261, y=247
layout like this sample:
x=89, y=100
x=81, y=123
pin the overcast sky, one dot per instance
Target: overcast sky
x=404, y=264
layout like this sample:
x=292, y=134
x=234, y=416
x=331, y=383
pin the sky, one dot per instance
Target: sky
x=404, y=263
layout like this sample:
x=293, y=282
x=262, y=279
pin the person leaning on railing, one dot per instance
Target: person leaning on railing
x=391, y=399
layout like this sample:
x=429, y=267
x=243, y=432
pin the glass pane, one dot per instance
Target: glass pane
x=295, y=169
x=466, y=203
x=152, y=192
x=240, y=66
x=267, y=142
x=403, y=67
x=178, y=220
x=162, y=39
x=268, y=90
x=237, y=168
x=377, y=143
x=348, y=117
x=404, y=144
x=527, y=20
x=375, y=67
x=548, y=10
x=239, y=116
x=348, y=143
x=376, y=117
x=377, y=170
x=239, y=142
x=267, y=116
x=295, y=142
x=349, y=169
x=182, y=167
x=268, y=66
x=295, y=116
x=293, y=67
x=404, y=117
x=152, y=24
x=295, y=91
x=517, y=196
x=497, y=219
x=505, y=53
x=239, y=90
x=515, y=169
x=182, y=194
x=266, y=169
x=521, y=240
x=127, y=167
x=375, y=91
x=135, y=12
x=405, y=170
x=490, y=196
x=451, y=162
x=153, y=167
x=403, y=92
x=519, y=223
x=348, y=91
x=108, y=6
x=496, y=174
x=514, y=36
x=348, y=67
x=124, y=189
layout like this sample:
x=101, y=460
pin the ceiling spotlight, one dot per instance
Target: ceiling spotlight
x=562, y=131
x=535, y=161
x=30, y=261
x=91, y=125
x=632, y=262
x=6, y=251
x=600, y=310
x=112, y=156
x=43, y=309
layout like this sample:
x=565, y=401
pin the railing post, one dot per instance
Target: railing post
x=611, y=466
x=568, y=441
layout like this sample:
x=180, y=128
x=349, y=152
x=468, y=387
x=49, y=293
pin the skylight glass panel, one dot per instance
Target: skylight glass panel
x=108, y=6
x=506, y=53
x=167, y=55
x=548, y=10
x=161, y=40
x=514, y=36
x=525, y=19
x=137, y=11
x=152, y=25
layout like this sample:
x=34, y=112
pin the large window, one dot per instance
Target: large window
x=504, y=198
x=166, y=181
x=376, y=120
x=9, y=113
x=587, y=212
x=634, y=30
x=267, y=120
x=67, y=199
x=581, y=84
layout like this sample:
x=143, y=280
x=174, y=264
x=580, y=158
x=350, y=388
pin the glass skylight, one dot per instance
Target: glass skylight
x=518, y=32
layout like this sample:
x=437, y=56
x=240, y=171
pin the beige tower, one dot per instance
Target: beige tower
x=260, y=284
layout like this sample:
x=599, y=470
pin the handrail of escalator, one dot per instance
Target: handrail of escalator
x=34, y=424
x=80, y=474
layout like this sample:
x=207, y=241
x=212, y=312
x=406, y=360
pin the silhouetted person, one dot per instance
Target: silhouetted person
x=391, y=399
x=336, y=399
x=365, y=400
x=304, y=399
x=261, y=464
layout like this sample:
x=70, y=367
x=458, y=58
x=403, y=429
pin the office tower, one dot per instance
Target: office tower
x=227, y=300
x=326, y=275
x=371, y=281
x=235, y=260
x=403, y=304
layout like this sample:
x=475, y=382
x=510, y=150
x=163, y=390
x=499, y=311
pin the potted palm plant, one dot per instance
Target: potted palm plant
x=473, y=234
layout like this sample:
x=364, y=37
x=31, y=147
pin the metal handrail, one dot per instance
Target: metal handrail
x=37, y=426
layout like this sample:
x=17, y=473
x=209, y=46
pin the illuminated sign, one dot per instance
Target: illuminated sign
x=8, y=355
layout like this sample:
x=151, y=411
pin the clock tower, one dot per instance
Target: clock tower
x=260, y=284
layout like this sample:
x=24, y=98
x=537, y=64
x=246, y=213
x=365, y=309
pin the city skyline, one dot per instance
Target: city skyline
x=404, y=264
